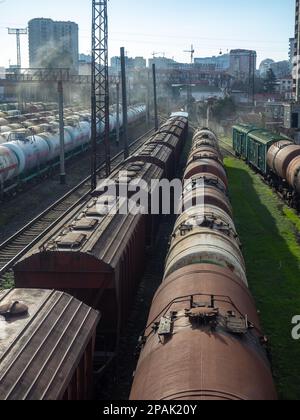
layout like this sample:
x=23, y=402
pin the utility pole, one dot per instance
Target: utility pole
x=253, y=79
x=61, y=132
x=100, y=87
x=118, y=112
x=148, y=99
x=124, y=102
x=155, y=97
x=18, y=32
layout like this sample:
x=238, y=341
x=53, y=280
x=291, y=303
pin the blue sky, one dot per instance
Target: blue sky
x=169, y=26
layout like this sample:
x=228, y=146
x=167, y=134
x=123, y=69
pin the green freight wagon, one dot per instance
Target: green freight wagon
x=252, y=144
x=240, y=134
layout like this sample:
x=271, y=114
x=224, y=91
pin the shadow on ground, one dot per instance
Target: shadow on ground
x=272, y=257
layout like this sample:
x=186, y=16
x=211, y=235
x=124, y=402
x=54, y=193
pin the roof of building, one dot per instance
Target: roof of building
x=41, y=348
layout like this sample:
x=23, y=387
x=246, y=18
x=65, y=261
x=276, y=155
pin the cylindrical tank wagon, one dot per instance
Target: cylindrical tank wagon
x=203, y=339
x=36, y=144
x=293, y=174
x=9, y=167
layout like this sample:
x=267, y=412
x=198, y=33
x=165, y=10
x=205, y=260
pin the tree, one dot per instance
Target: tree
x=223, y=108
x=259, y=85
x=270, y=82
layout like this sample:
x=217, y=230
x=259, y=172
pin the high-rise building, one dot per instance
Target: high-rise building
x=161, y=62
x=85, y=58
x=291, y=50
x=296, y=64
x=53, y=44
x=221, y=62
x=131, y=63
x=264, y=66
x=281, y=68
x=242, y=64
x=140, y=63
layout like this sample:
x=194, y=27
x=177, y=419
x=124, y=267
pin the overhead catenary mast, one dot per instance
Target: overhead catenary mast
x=100, y=87
x=18, y=32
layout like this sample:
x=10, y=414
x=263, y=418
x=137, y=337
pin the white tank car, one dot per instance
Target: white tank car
x=3, y=122
x=79, y=135
x=131, y=115
x=5, y=129
x=31, y=152
x=112, y=121
x=9, y=167
x=53, y=141
x=85, y=128
x=69, y=139
x=13, y=113
x=21, y=153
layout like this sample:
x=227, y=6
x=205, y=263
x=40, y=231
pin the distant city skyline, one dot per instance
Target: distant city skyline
x=164, y=27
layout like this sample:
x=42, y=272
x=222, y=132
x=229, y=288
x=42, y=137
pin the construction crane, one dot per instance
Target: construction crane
x=154, y=54
x=18, y=32
x=100, y=86
x=192, y=52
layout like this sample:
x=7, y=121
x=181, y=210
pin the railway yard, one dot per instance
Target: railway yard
x=270, y=244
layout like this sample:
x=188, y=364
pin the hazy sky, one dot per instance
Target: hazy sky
x=169, y=26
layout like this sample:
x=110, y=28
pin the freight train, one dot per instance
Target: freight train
x=274, y=156
x=29, y=107
x=99, y=257
x=31, y=148
x=203, y=340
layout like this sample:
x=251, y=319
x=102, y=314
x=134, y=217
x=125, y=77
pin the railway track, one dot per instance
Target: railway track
x=21, y=242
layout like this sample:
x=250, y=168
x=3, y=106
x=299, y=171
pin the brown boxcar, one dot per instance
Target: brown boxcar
x=98, y=259
x=97, y=256
x=46, y=346
x=159, y=154
x=136, y=169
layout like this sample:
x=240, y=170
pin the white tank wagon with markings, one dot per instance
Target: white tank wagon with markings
x=35, y=143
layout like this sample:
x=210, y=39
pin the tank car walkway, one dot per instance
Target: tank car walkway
x=269, y=231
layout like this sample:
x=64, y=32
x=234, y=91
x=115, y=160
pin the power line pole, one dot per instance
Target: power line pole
x=118, y=112
x=148, y=98
x=61, y=132
x=18, y=32
x=124, y=102
x=100, y=86
x=155, y=97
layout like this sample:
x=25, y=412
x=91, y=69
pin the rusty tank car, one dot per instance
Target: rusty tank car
x=203, y=339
